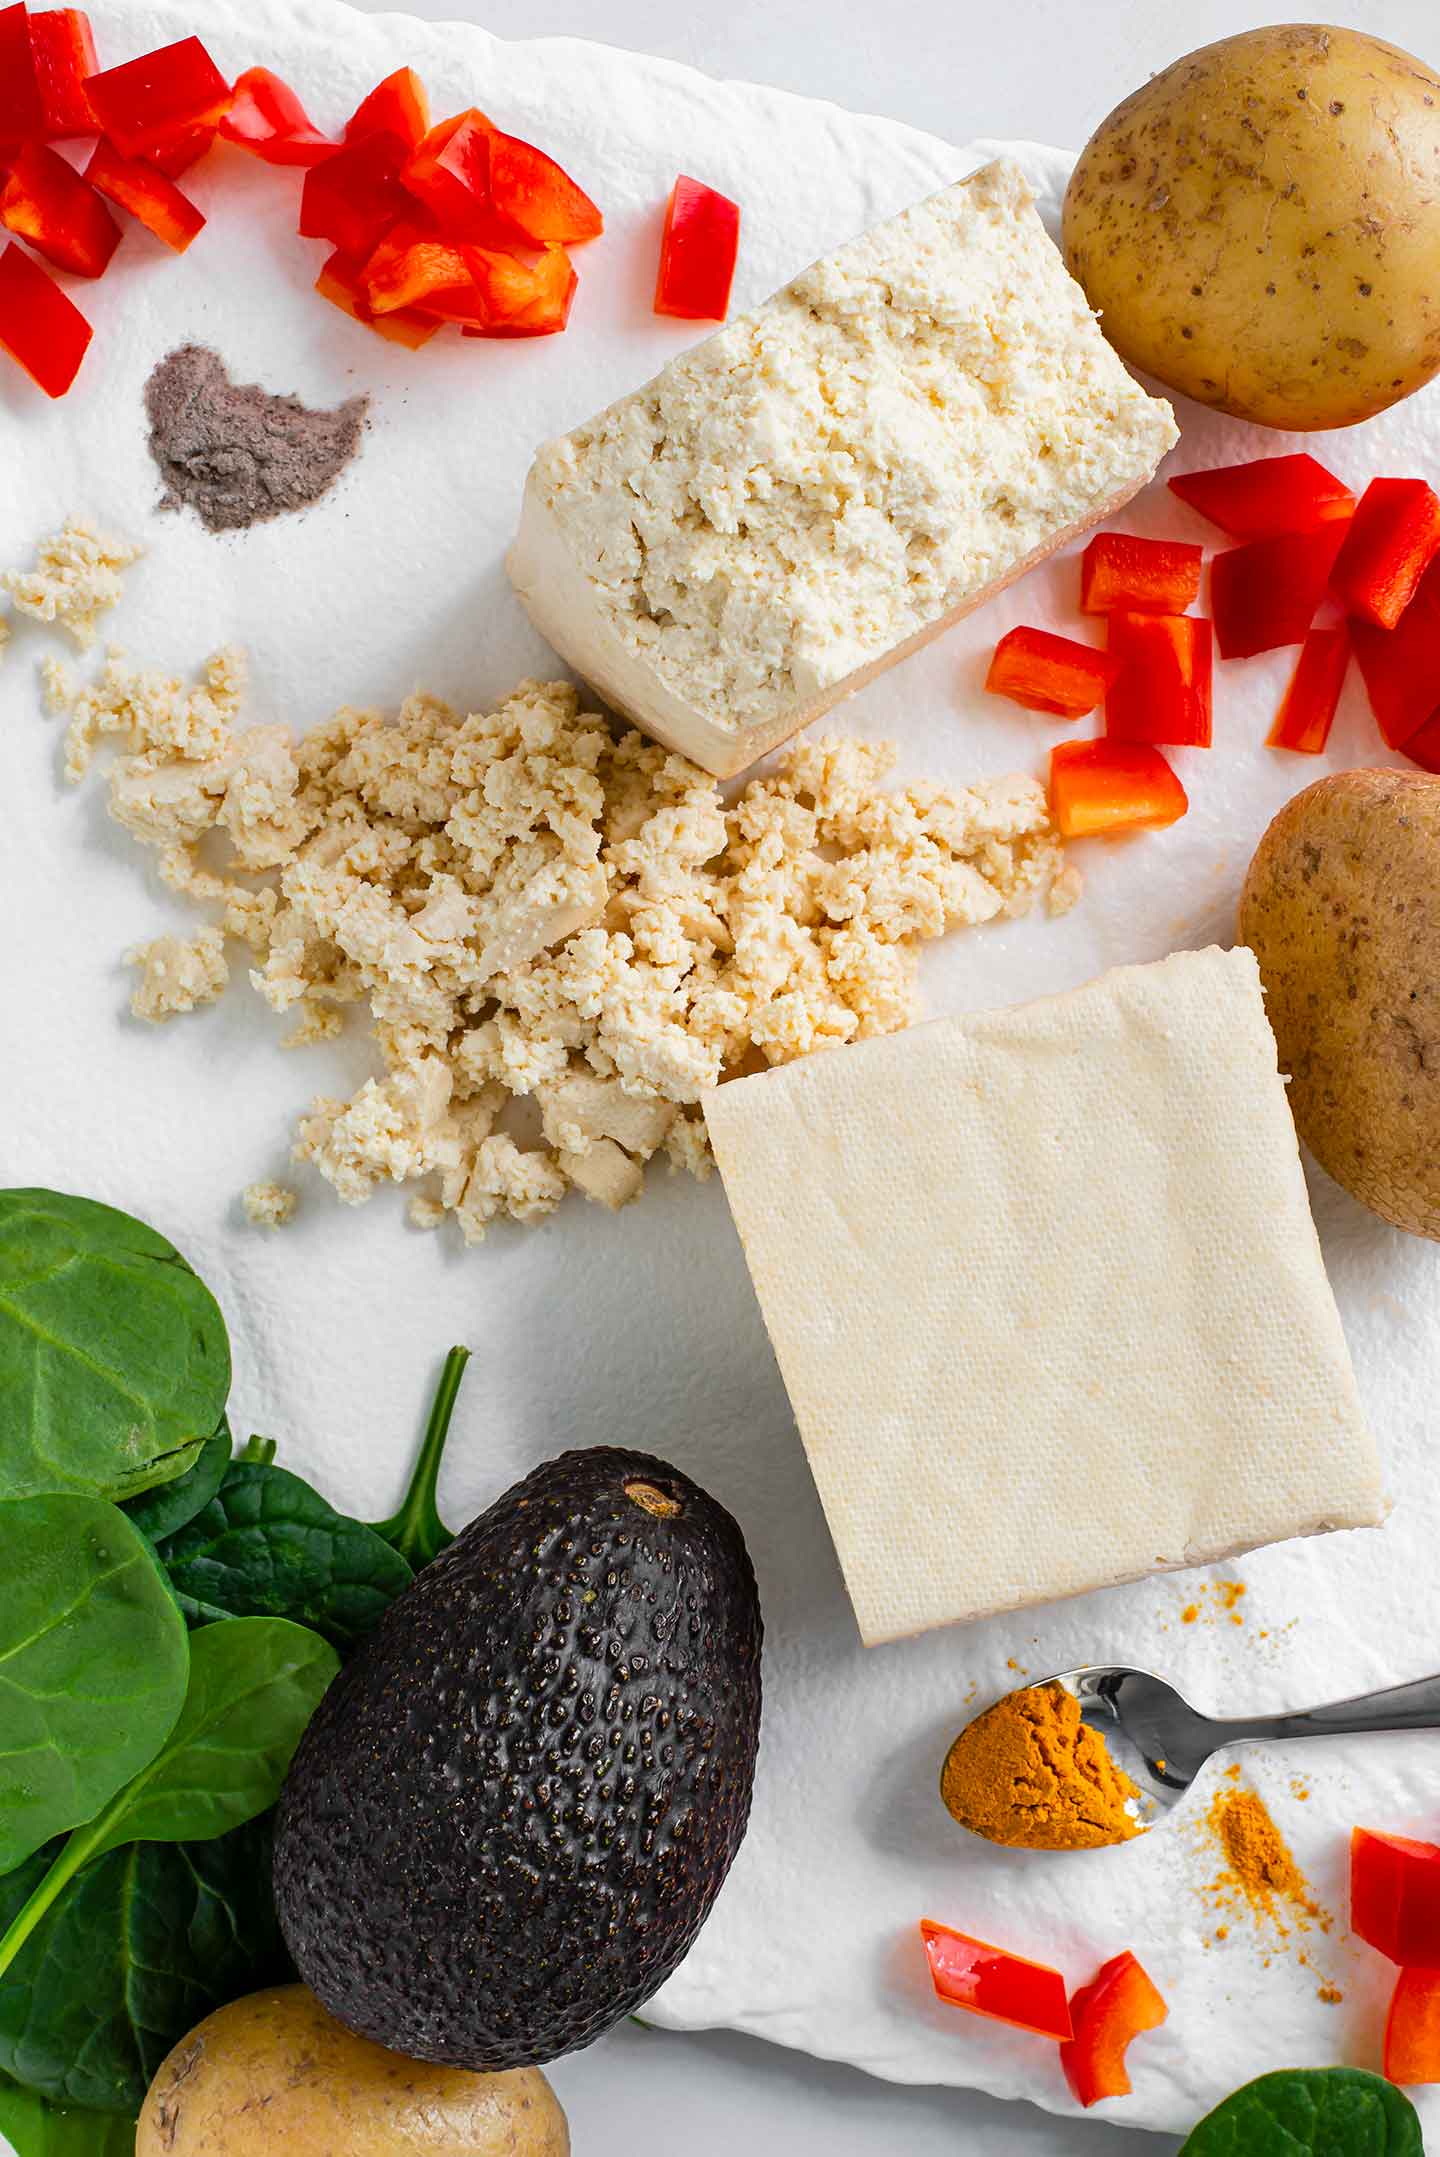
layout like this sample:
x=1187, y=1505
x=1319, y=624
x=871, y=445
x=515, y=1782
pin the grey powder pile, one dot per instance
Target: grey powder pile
x=235, y=454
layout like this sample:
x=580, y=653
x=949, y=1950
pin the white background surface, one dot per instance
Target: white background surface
x=1048, y=70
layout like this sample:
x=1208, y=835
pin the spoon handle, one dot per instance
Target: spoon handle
x=1401, y=1707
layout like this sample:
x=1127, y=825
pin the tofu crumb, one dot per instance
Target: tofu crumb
x=529, y=906
x=269, y=1205
x=4, y=634
x=76, y=578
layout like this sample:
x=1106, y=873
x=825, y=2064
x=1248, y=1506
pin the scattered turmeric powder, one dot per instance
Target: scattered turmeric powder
x=1259, y=1868
x=1225, y=1596
x=1029, y=1774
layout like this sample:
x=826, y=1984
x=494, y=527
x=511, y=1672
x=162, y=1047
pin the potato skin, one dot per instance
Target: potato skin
x=275, y=2073
x=1341, y=906
x=1258, y=226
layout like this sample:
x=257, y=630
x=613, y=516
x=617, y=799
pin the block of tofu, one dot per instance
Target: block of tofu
x=794, y=504
x=1046, y=1294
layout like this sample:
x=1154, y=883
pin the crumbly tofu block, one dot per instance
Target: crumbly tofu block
x=1047, y=1297
x=77, y=576
x=798, y=502
x=178, y=974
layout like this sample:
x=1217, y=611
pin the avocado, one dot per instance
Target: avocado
x=516, y=1804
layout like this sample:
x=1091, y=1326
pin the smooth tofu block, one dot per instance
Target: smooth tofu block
x=1046, y=1294
x=794, y=504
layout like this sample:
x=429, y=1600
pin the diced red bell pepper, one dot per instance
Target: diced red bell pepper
x=147, y=194
x=396, y=106
x=47, y=204
x=148, y=103
x=1139, y=576
x=1401, y=666
x=1412, y=2029
x=354, y=197
x=536, y=201
x=449, y=172
x=1118, y=2005
x=40, y=325
x=697, y=253
x=535, y=303
x=1047, y=673
x=1423, y=747
x=267, y=119
x=1162, y=692
x=1269, y=496
x=186, y=150
x=62, y=45
x=413, y=267
x=339, y=282
x=1265, y=594
x=1391, y=541
x=1307, y=710
x=1102, y=786
x=987, y=1981
x=1395, y=1896
x=22, y=115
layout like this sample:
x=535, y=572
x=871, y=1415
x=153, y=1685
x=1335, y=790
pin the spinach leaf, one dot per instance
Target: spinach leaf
x=114, y=1359
x=1311, y=2112
x=268, y=1544
x=36, y=2129
x=159, y=1512
x=143, y=1943
x=417, y=1531
x=254, y=1684
x=93, y=1664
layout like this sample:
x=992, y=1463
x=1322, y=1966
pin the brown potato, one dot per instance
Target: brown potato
x=1341, y=907
x=274, y=2073
x=1259, y=226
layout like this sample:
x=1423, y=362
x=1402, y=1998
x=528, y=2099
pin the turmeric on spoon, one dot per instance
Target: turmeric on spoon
x=1029, y=1774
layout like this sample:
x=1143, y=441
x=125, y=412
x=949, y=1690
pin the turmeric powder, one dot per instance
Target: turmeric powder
x=1029, y=1774
x=1259, y=1866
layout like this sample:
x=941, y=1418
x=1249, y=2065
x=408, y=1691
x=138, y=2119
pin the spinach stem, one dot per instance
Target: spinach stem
x=417, y=1531
x=78, y=1850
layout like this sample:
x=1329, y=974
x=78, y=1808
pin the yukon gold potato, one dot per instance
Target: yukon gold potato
x=1341, y=907
x=1259, y=226
x=276, y=2073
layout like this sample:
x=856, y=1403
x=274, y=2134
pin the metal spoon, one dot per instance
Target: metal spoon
x=1162, y=1743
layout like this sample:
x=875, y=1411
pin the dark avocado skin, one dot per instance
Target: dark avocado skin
x=515, y=1806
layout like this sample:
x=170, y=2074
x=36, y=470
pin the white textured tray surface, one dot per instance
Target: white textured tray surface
x=642, y=1328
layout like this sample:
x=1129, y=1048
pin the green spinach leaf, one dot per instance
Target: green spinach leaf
x=159, y=1512
x=254, y=1684
x=94, y=1661
x=268, y=1544
x=1311, y=2112
x=143, y=1944
x=35, y=2129
x=114, y=1359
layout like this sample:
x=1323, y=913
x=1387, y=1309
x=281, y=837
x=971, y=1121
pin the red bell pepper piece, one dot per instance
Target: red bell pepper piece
x=1412, y=2029
x=1101, y=786
x=186, y=150
x=535, y=200
x=354, y=196
x=1395, y=1897
x=522, y=300
x=697, y=253
x=1307, y=710
x=449, y=172
x=1162, y=692
x=412, y=267
x=268, y=119
x=148, y=103
x=1265, y=593
x=1423, y=747
x=339, y=282
x=1119, y=2004
x=1392, y=540
x=396, y=106
x=40, y=325
x=987, y=1981
x=1401, y=666
x=47, y=203
x=1139, y=576
x=147, y=194
x=1269, y=496
x=1047, y=673
x=62, y=46
x=22, y=115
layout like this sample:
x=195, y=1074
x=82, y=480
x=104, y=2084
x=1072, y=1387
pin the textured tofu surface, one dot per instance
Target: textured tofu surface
x=1046, y=1294
x=795, y=501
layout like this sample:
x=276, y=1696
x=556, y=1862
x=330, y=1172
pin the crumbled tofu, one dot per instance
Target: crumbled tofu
x=269, y=1205
x=178, y=973
x=77, y=576
x=4, y=634
x=803, y=498
x=529, y=906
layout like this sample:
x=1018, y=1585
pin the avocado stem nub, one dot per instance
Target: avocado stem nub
x=417, y=1531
